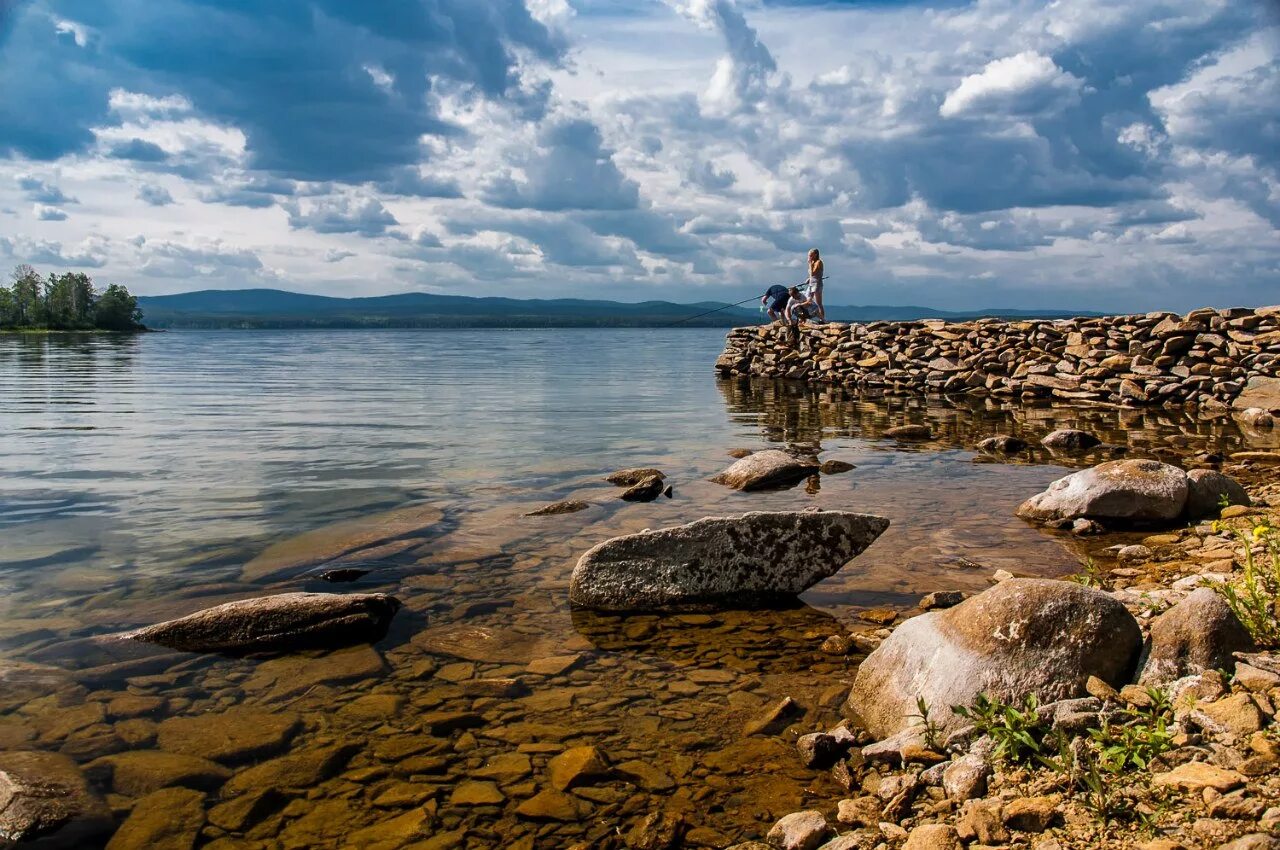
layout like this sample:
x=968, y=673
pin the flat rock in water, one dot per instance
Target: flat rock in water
x=341, y=538
x=1023, y=636
x=45, y=800
x=761, y=470
x=631, y=477
x=721, y=561
x=909, y=432
x=568, y=506
x=835, y=467
x=286, y=621
x=1129, y=491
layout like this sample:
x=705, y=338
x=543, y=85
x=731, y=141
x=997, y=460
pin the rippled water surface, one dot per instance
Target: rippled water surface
x=144, y=478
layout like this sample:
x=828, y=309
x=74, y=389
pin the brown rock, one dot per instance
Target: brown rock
x=632, y=477
x=44, y=798
x=799, y=831
x=1065, y=634
x=980, y=821
x=766, y=469
x=285, y=621
x=549, y=804
x=577, y=766
x=1199, y=633
x=170, y=819
x=1030, y=814
x=238, y=734
x=933, y=836
x=568, y=506
x=1196, y=776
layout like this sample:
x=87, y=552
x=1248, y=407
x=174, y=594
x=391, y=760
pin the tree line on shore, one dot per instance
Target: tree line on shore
x=65, y=302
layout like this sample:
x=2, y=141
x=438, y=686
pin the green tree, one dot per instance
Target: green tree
x=28, y=300
x=117, y=310
x=69, y=301
x=8, y=311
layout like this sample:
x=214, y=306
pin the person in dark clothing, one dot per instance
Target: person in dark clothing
x=775, y=300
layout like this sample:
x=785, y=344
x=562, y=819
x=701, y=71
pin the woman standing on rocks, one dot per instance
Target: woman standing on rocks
x=816, y=275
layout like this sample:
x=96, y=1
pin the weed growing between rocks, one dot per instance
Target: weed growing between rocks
x=1255, y=597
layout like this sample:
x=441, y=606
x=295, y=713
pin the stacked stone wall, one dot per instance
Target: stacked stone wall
x=1214, y=359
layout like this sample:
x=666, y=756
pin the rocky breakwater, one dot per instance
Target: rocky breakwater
x=1214, y=359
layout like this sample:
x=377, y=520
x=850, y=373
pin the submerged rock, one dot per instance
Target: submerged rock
x=645, y=491
x=1130, y=491
x=285, y=621
x=1002, y=445
x=1069, y=440
x=568, y=506
x=1199, y=633
x=631, y=477
x=909, y=432
x=340, y=539
x=761, y=470
x=1023, y=636
x=835, y=467
x=45, y=798
x=721, y=561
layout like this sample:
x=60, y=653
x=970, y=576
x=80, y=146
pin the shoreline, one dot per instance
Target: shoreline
x=1211, y=781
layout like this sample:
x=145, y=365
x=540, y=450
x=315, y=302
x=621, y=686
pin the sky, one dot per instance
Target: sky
x=1076, y=154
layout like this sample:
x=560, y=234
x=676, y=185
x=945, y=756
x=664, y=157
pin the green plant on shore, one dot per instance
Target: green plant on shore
x=1017, y=731
x=1090, y=576
x=930, y=729
x=1134, y=742
x=1255, y=596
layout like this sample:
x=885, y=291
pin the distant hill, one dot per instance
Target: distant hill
x=275, y=308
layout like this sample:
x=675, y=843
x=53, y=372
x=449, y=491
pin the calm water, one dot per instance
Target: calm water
x=142, y=478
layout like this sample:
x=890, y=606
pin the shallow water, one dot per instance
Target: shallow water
x=143, y=478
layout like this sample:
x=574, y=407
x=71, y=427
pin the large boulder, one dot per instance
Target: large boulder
x=1261, y=392
x=721, y=561
x=1023, y=636
x=46, y=801
x=1128, y=491
x=286, y=621
x=766, y=469
x=1208, y=491
x=1069, y=440
x=1199, y=633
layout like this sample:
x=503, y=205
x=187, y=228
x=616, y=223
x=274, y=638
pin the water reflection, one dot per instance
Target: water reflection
x=175, y=472
x=803, y=416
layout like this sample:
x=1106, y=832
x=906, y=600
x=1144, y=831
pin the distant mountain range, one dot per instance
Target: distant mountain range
x=275, y=308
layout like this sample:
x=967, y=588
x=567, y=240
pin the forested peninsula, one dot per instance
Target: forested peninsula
x=66, y=302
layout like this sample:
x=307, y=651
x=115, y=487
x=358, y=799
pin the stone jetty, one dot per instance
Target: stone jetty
x=1213, y=359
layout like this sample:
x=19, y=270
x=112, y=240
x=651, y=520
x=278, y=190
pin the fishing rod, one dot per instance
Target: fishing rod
x=725, y=307
x=717, y=310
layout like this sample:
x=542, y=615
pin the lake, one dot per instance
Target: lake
x=142, y=478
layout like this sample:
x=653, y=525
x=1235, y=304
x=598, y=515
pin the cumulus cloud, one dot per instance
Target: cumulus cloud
x=341, y=214
x=568, y=169
x=91, y=253
x=44, y=212
x=154, y=195
x=741, y=78
x=42, y=192
x=1023, y=83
